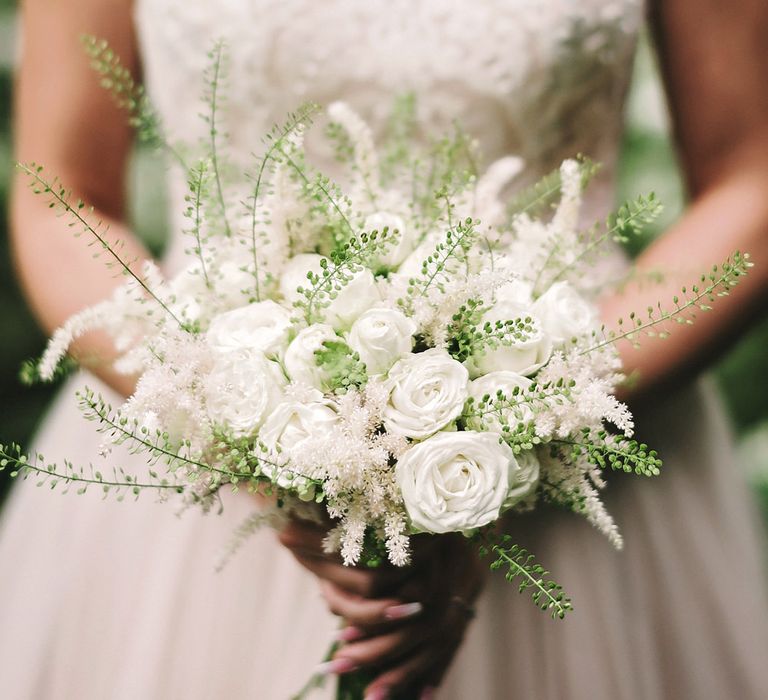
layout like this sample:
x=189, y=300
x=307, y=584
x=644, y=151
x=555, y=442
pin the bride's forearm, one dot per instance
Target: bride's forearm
x=730, y=215
x=61, y=274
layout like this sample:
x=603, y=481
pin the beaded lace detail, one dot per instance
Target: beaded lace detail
x=542, y=79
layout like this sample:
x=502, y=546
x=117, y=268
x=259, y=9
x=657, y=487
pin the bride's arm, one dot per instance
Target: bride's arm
x=66, y=122
x=714, y=59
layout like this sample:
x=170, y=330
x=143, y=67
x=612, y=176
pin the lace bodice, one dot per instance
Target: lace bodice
x=542, y=79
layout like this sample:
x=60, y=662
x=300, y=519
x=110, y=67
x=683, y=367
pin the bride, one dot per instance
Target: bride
x=103, y=600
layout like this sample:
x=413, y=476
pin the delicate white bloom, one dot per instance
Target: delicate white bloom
x=264, y=326
x=381, y=336
x=412, y=264
x=523, y=479
x=355, y=297
x=524, y=357
x=294, y=275
x=243, y=388
x=401, y=236
x=566, y=218
x=188, y=291
x=565, y=314
x=300, y=360
x=455, y=482
x=361, y=137
x=489, y=385
x=292, y=424
x=488, y=206
x=293, y=427
x=427, y=393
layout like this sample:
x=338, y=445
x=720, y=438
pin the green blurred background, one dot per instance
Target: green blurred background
x=648, y=163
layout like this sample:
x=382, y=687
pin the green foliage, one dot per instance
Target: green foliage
x=213, y=77
x=29, y=374
x=118, y=482
x=540, y=197
x=515, y=411
x=451, y=249
x=342, y=366
x=338, y=271
x=79, y=215
x=198, y=183
x=399, y=136
x=128, y=94
x=520, y=566
x=475, y=341
x=699, y=297
x=618, y=453
x=630, y=220
x=278, y=143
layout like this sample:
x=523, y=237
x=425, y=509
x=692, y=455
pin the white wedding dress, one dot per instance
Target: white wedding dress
x=104, y=600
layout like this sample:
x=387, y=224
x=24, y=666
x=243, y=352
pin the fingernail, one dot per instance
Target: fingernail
x=377, y=694
x=427, y=694
x=349, y=634
x=336, y=666
x=398, y=612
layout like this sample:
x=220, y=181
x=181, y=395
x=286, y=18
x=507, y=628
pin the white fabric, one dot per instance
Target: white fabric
x=105, y=600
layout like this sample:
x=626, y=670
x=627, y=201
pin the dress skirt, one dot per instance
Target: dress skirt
x=107, y=600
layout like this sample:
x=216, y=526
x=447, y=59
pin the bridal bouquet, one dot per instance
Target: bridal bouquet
x=411, y=351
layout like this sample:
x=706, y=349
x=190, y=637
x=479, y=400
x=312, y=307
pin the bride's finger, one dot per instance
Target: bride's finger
x=300, y=536
x=367, y=612
x=383, y=648
x=418, y=671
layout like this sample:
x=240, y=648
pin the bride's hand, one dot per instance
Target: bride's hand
x=406, y=624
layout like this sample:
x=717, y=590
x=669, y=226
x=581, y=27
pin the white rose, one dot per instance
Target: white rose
x=523, y=478
x=411, y=266
x=293, y=427
x=294, y=275
x=400, y=237
x=355, y=297
x=358, y=295
x=187, y=289
x=300, y=361
x=524, y=357
x=489, y=385
x=242, y=389
x=565, y=314
x=262, y=326
x=381, y=337
x=455, y=482
x=427, y=392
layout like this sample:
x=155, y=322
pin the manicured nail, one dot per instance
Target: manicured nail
x=349, y=634
x=427, y=694
x=398, y=612
x=336, y=666
x=377, y=694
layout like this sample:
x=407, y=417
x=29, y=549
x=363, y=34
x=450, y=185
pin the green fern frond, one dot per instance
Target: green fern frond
x=717, y=283
x=520, y=566
x=78, y=213
x=119, y=482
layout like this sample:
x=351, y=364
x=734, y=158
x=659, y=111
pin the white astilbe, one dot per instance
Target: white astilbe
x=566, y=218
x=592, y=400
x=76, y=326
x=129, y=316
x=434, y=312
x=352, y=460
x=487, y=205
x=361, y=137
x=396, y=537
x=570, y=485
x=168, y=395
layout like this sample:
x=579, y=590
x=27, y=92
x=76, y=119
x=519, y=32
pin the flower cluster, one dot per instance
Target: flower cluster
x=410, y=354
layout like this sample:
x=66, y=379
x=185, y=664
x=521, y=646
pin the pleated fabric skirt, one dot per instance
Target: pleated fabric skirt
x=101, y=600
